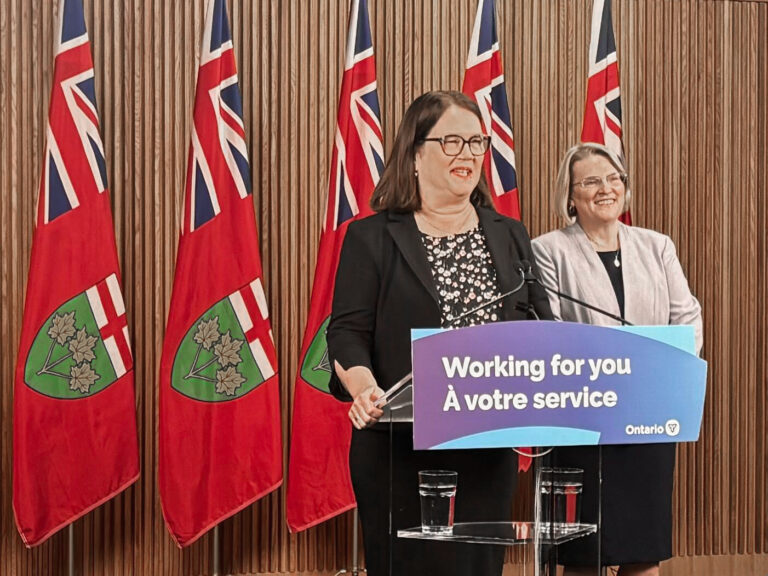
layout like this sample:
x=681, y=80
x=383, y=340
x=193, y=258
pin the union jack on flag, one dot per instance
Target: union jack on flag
x=321, y=431
x=73, y=96
x=221, y=162
x=358, y=137
x=484, y=82
x=602, y=114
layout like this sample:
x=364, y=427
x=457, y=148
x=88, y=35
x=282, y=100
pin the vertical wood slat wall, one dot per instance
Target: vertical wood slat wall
x=694, y=78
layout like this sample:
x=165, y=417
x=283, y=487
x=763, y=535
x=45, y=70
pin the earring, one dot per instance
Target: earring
x=416, y=173
x=571, y=208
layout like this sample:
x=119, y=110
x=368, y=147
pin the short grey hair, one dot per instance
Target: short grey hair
x=562, y=190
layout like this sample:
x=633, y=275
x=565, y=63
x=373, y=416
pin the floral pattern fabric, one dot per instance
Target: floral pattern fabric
x=465, y=278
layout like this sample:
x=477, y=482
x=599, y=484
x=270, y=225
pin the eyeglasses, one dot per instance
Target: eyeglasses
x=453, y=144
x=594, y=183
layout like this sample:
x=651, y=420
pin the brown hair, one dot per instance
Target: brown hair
x=562, y=191
x=398, y=188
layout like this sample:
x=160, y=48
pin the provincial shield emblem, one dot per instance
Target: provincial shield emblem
x=83, y=347
x=316, y=369
x=225, y=354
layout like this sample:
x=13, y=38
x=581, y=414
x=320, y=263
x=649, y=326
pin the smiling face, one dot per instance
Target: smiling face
x=449, y=180
x=602, y=205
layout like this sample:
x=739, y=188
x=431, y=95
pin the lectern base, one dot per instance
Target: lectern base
x=503, y=533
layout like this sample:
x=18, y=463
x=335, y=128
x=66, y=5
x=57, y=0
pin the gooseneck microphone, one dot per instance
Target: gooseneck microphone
x=520, y=268
x=493, y=301
x=526, y=271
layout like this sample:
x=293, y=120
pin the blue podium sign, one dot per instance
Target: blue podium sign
x=511, y=384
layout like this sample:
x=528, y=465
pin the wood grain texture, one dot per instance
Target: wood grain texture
x=694, y=78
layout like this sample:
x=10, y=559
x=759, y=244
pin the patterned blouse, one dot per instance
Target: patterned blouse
x=464, y=276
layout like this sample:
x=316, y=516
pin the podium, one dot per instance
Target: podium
x=538, y=540
x=478, y=388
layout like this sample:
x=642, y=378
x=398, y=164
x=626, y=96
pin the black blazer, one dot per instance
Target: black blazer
x=384, y=287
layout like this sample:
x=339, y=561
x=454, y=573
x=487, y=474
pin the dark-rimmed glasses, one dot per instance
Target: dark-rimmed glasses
x=593, y=183
x=453, y=144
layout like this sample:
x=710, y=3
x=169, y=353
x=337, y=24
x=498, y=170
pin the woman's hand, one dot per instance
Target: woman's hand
x=362, y=386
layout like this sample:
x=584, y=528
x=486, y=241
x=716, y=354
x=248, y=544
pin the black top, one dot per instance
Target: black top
x=464, y=276
x=614, y=273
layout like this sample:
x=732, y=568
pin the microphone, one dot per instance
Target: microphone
x=530, y=278
x=525, y=268
x=521, y=267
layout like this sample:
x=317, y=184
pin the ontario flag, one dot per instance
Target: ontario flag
x=321, y=431
x=220, y=438
x=484, y=82
x=74, y=420
x=602, y=113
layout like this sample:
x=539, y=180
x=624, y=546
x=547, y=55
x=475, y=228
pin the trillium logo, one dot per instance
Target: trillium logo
x=672, y=427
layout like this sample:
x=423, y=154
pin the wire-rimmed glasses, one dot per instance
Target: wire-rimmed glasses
x=594, y=183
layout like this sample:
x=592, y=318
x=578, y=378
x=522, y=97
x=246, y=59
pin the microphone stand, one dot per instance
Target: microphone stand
x=531, y=278
x=401, y=384
x=525, y=270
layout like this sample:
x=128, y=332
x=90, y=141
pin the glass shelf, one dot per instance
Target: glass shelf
x=504, y=533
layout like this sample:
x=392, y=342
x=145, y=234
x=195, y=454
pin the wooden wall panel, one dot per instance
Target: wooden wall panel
x=694, y=77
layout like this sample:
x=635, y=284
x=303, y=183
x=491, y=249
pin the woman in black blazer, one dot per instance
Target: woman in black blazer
x=435, y=249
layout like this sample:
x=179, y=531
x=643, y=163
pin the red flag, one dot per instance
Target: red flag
x=602, y=114
x=484, y=82
x=74, y=424
x=321, y=431
x=220, y=438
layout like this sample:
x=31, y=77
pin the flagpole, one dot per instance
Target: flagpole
x=216, y=552
x=71, y=550
x=355, y=567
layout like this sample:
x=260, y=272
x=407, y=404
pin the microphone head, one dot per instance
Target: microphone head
x=525, y=269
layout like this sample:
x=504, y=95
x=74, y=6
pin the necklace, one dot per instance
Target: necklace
x=459, y=227
x=598, y=246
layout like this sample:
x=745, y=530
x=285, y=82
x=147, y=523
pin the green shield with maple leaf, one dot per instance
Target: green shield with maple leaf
x=214, y=362
x=316, y=368
x=68, y=359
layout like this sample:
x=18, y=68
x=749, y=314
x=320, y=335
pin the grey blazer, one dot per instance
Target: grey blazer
x=656, y=291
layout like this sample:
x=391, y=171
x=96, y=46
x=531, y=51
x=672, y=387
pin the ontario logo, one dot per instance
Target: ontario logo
x=228, y=352
x=83, y=347
x=316, y=368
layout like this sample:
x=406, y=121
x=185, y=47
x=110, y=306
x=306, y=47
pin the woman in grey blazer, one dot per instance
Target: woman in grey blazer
x=631, y=272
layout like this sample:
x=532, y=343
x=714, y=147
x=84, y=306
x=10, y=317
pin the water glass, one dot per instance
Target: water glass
x=437, y=489
x=561, y=495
